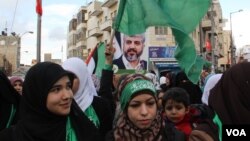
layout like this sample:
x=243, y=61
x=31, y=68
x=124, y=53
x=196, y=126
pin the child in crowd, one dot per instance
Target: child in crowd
x=176, y=108
x=188, y=118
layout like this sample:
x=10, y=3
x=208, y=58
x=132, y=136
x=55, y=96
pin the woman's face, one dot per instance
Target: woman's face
x=60, y=97
x=142, y=110
x=159, y=102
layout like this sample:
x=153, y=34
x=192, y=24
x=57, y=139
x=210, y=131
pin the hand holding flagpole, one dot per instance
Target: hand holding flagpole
x=110, y=50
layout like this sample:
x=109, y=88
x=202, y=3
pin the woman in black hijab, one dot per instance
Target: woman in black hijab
x=48, y=111
x=193, y=90
x=230, y=97
x=9, y=101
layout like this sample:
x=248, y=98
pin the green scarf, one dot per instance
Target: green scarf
x=12, y=113
x=70, y=133
x=217, y=121
x=91, y=114
x=134, y=87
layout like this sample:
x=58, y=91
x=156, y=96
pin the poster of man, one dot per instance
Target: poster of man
x=132, y=48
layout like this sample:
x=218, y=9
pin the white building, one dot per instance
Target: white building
x=246, y=52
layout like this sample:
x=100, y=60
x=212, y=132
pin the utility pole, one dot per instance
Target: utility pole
x=212, y=37
x=39, y=24
x=232, y=46
x=201, y=40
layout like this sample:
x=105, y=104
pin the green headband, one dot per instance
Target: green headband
x=133, y=87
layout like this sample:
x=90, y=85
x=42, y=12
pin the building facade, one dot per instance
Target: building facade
x=9, y=53
x=94, y=22
x=224, y=62
x=245, y=53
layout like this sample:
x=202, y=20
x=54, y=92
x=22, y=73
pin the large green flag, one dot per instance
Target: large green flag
x=183, y=16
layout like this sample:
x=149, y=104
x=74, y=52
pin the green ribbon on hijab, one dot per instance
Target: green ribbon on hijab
x=12, y=114
x=217, y=121
x=70, y=133
x=91, y=114
x=133, y=87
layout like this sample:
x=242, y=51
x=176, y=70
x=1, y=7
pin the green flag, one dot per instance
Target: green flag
x=101, y=59
x=183, y=16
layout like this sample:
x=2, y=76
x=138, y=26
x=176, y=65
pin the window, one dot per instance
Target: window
x=72, y=24
x=160, y=30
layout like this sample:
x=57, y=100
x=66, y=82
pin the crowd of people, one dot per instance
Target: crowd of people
x=66, y=103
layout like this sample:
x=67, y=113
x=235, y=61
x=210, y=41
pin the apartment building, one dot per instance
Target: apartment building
x=48, y=57
x=245, y=53
x=76, y=45
x=9, y=53
x=212, y=32
x=224, y=62
x=94, y=22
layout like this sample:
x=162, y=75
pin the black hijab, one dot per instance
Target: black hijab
x=8, y=97
x=37, y=122
x=230, y=97
x=193, y=90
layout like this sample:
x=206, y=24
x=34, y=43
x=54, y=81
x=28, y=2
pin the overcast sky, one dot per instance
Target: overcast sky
x=57, y=13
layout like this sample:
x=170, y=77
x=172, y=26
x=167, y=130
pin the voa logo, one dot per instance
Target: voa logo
x=236, y=132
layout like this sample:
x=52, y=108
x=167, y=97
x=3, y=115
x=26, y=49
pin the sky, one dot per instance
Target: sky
x=58, y=13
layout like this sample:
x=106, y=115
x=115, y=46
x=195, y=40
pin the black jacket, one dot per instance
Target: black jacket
x=106, y=89
x=104, y=113
x=9, y=102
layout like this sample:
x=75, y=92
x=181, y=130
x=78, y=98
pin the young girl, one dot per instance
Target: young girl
x=48, y=111
x=139, y=118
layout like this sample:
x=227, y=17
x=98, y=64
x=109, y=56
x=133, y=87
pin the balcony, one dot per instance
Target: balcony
x=95, y=8
x=81, y=43
x=206, y=24
x=106, y=26
x=109, y=3
x=95, y=32
x=96, y=12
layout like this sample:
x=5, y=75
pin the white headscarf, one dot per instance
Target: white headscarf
x=212, y=80
x=163, y=80
x=86, y=91
x=153, y=78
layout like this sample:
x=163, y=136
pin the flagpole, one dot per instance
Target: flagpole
x=111, y=40
x=112, y=37
x=39, y=23
x=39, y=20
x=62, y=52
